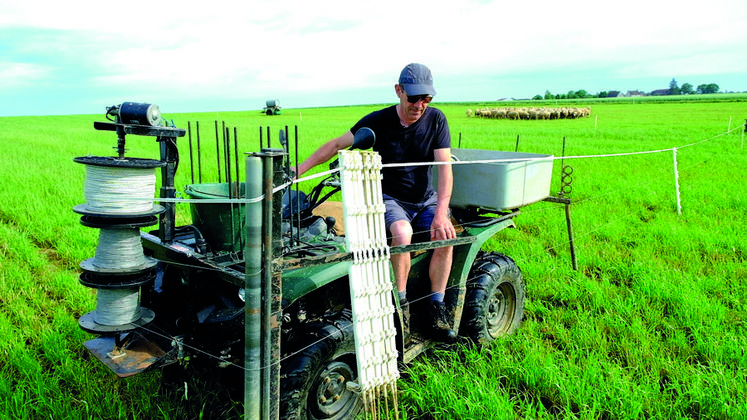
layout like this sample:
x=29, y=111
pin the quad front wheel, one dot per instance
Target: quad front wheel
x=494, y=300
x=313, y=382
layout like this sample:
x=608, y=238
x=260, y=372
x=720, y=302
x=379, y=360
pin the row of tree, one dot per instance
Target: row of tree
x=674, y=89
x=687, y=88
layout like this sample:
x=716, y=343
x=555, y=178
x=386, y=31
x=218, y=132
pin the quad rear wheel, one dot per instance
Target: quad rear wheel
x=313, y=382
x=494, y=300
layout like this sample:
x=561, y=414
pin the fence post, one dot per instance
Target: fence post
x=677, y=181
x=253, y=292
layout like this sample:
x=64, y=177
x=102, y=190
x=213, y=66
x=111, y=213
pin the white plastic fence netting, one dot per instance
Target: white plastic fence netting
x=370, y=281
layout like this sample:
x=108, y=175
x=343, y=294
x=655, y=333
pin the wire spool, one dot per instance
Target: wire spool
x=119, y=249
x=117, y=310
x=117, y=303
x=119, y=253
x=119, y=186
x=119, y=200
x=119, y=190
x=117, y=306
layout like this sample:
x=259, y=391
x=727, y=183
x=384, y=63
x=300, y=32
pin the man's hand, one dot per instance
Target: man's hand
x=441, y=228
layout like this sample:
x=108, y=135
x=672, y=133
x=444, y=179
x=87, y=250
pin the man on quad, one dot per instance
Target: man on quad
x=411, y=132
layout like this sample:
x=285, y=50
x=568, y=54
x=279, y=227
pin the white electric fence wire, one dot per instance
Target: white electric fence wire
x=370, y=283
x=222, y=200
x=119, y=249
x=427, y=296
x=527, y=258
x=406, y=164
x=116, y=307
x=119, y=190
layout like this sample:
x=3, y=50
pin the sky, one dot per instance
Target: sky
x=80, y=56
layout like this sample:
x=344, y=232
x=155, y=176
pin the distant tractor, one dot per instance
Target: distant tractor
x=272, y=107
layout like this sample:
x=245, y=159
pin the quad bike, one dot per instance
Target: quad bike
x=196, y=294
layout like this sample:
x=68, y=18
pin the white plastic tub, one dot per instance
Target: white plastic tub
x=524, y=178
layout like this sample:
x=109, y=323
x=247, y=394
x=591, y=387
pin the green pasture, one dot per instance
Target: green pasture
x=652, y=325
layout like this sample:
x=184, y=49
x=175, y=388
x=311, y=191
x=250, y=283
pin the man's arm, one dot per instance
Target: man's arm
x=326, y=152
x=441, y=227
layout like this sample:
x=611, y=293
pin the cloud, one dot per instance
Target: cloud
x=18, y=76
x=337, y=52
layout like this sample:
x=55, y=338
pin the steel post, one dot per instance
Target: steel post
x=199, y=155
x=191, y=160
x=263, y=288
x=569, y=226
x=271, y=283
x=267, y=186
x=253, y=292
x=217, y=150
x=236, y=160
x=170, y=155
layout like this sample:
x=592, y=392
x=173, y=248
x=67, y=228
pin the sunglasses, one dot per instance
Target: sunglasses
x=415, y=98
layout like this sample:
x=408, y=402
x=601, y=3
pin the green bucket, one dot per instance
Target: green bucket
x=223, y=225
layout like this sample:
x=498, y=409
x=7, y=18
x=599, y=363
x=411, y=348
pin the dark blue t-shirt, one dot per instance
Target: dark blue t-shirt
x=398, y=144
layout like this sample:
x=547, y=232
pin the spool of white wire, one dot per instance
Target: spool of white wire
x=119, y=190
x=119, y=249
x=117, y=306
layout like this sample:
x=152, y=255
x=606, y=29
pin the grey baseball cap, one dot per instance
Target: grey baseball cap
x=417, y=80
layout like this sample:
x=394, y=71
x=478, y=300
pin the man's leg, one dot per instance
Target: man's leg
x=441, y=260
x=439, y=272
x=401, y=232
x=398, y=226
x=440, y=268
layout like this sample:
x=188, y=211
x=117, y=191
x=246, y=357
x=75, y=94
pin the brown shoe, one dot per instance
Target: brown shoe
x=440, y=329
x=405, y=307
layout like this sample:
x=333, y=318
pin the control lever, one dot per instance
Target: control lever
x=330, y=221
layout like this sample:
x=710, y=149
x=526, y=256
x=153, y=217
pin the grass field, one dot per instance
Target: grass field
x=652, y=325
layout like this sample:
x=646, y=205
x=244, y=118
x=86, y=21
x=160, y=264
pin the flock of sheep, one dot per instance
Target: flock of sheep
x=530, y=113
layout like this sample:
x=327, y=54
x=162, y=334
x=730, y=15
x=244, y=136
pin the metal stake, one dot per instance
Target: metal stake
x=236, y=160
x=298, y=196
x=271, y=284
x=253, y=292
x=191, y=160
x=267, y=186
x=569, y=225
x=199, y=155
x=227, y=154
x=217, y=150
